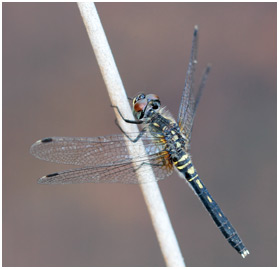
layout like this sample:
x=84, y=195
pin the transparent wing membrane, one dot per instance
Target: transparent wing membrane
x=87, y=151
x=106, y=158
x=189, y=102
x=117, y=173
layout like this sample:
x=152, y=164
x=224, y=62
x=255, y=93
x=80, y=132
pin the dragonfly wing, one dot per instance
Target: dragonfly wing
x=189, y=103
x=186, y=109
x=118, y=173
x=84, y=151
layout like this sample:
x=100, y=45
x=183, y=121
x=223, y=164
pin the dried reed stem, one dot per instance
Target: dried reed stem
x=151, y=192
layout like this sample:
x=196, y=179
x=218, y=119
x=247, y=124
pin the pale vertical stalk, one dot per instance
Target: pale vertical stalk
x=151, y=192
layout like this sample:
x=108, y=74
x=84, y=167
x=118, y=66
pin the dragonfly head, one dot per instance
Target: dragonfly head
x=144, y=104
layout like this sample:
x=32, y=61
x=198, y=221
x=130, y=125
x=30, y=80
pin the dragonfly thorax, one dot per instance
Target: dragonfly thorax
x=164, y=128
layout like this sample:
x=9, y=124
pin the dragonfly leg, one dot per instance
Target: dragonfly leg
x=131, y=139
x=126, y=120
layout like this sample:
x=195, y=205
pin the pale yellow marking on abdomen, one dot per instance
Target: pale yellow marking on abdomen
x=193, y=177
x=183, y=165
x=199, y=184
x=191, y=170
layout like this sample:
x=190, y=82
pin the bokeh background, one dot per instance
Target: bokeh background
x=52, y=86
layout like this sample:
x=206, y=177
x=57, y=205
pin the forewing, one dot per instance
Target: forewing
x=95, y=151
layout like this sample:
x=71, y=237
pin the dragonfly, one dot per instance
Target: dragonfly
x=106, y=159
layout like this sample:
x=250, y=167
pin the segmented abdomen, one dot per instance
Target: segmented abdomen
x=185, y=166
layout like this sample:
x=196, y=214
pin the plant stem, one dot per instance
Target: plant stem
x=154, y=201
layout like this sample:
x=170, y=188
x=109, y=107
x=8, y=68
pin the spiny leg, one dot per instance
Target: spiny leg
x=142, y=132
x=126, y=120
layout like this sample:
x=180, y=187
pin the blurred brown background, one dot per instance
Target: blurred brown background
x=52, y=86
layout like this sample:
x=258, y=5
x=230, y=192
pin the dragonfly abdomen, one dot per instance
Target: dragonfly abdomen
x=185, y=166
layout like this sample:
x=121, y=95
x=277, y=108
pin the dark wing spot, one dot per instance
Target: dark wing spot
x=47, y=140
x=52, y=175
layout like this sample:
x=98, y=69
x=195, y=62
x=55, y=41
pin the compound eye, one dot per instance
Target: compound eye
x=153, y=99
x=140, y=106
x=150, y=97
x=138, y=97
